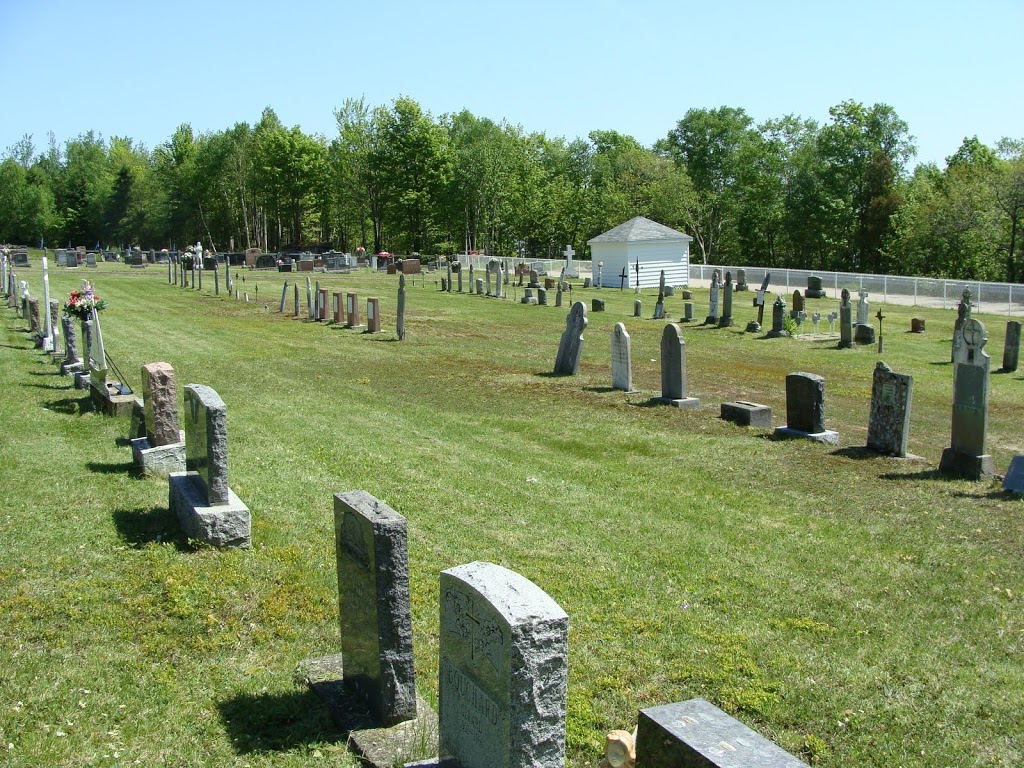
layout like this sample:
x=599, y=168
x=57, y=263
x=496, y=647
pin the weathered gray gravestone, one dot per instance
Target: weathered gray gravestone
x=966, y=455
x=889, y=423
x=284, y=297
x=1014, y=480
x=472, y=279
x=1011, y=347
x=712, y=318
x=805, y=409
x=374, y=608
x=798, y=304
x=778, y=319
x=673, y=369
x=296, y=299
x=741, y=280
x=726, y=320
x=570, y=348
x=161, y=450
x=814, y=289
x=637, y=308
x=622, y=360
x=503, y=670
x=72, y=361
x=207, y=508
x=845, y=321
x=400, y=323
x=542, y=296
x=659, y=308
x=697, y=734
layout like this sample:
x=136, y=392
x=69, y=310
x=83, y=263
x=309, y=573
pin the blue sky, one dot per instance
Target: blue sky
x=140, y=69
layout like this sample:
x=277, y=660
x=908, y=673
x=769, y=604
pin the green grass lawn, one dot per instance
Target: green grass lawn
x=859, y=611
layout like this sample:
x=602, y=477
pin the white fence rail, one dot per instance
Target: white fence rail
x=994, y=298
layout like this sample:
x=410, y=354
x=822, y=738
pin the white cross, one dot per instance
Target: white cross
x=568, y=253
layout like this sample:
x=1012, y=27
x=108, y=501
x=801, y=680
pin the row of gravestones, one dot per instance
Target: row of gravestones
x=891, y=398
x=502, y=672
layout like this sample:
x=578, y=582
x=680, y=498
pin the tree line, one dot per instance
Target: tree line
x=788, y=192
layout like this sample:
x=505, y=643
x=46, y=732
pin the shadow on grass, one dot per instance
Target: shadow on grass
x=1004, y=370
x=72, y=406
x=55, y=372
x=859, y=452
x=999, y=495
x=61, y=387
x=552, y=375
x=138, y=527
x=275, y=722
x=15, y=346
x=924, y=474
x=602, y=390
x=378, y=337
x=120, y=468
x=940, y=362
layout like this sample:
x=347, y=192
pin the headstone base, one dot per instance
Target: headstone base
x=111, y=401
x=158, y=460
x=864, y=334
x=222, y=525
x=773, y=334
x=748, y=414
x=810, y=293
x=697, y=733
x=711, y=320
x=726, y=322
x=356, y=327
x=69, y=368
x=828, y=437
x=753, y=327
x=414, y=739
x=528, y=300
x=686, y=403
x=82, y=380
x=966, y=465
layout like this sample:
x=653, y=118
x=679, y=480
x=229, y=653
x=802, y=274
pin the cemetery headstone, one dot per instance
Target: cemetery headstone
x=72, y=361
x=528, y=297
x=1011, y=346
x=480, y=286
x=659, y=307
x=597, y=305
x=570, y=348
x=352, y=312
x=33, y=314
x=917, y=325
x=372, y=314
x=588, y=282
x=457, y=266
x=814, y=289
x=542, y=296
x=712, y=318
x=309, y=298
x=534, y=279
x=963, y=313
x=747, y=414
x=503, y=670
x=284, y=297
x=337, y=307
x=472, y=279
x=449, y=267
x=374, y=607
x=697, y=734
x=673, y=369
x=570, y=268
x=160, y=450
x=321, y=304
x=295, y=299
x=687, y=311
x=622, y=359
x=1014, y=480
x=862, y=307
x=966, y=454
x=778, y=330
x=741, y=280
x=207, y=508
x=845, y=321
x=805, y=409
x=726, y=320
x=637, y=308
x=400, y=323
x=558, y=296
x=889, y=423
x=798, y=304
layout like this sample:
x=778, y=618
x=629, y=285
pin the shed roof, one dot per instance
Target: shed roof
x=637, y=229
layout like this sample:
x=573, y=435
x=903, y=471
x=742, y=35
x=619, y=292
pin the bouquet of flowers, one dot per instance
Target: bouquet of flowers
x=81, y=303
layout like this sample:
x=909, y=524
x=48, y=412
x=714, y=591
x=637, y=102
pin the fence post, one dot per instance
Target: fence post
x=885, y=289
x=835, y=283
x=787, y=282
x=915, y=291
x=943, y=294
x=979, y=295
x=1009, y=301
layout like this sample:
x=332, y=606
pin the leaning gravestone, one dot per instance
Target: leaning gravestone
x=966, y=455
x=503, y=670
x=889, y=423
x=805, y=409
x=207, y=508
x=673, y=370
x=798, y=305
x=622, y=360
x=697, y=734
x=1011, y=347
x=161, y=450
x=570, y=348
x=659, y=307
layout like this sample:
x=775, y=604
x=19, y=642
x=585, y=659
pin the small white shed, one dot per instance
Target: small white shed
x=654, y=245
